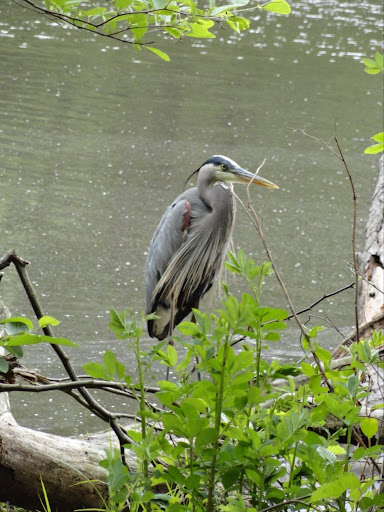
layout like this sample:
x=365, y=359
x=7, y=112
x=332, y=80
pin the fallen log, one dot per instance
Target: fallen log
x=372, y=260
x=27, y=455
x=371, y=290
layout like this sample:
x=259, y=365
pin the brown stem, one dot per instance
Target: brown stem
x=96, y=408
x=340, y=156
x=355, y=265
x=259, y=228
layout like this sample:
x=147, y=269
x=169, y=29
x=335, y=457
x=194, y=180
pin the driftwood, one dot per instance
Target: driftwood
x=26, y=455
x=372, y=260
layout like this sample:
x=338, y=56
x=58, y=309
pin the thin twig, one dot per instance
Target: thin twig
x=355, y=265
x=20, y=265
x=351, y=266
x=340, y=156
x=289, y=502
x=324, y=297
x=62, y=386
x=255, y=220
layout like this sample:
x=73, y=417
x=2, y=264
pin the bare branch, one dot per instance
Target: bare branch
x=94, y=406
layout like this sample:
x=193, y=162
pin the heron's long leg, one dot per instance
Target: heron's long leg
x=193, y=319
x=170, y=342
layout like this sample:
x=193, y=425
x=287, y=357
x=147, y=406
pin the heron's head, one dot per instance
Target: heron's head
x=224, y=169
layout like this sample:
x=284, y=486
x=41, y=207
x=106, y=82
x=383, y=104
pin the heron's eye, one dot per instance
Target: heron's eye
x=223, y=167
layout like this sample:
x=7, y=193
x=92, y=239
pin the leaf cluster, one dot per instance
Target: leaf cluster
x=20, y=331
x=232, y=440
x=236, y=438
x=374, y=67
x=131, y=21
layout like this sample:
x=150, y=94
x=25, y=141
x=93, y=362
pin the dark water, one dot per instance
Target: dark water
x=97, y=139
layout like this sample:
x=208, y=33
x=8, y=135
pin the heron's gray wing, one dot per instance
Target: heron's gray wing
x=166, y=241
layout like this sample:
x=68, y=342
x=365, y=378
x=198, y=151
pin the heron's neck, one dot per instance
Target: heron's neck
x=218, y=198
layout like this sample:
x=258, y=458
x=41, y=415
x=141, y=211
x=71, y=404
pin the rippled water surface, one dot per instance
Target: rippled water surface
x=97, y=139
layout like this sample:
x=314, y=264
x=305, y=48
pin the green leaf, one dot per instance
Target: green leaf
x=112, y=365
x=216, y=12
x=160, y=4
x=158, y=52
x=364, y=351
x=192, y=482
x=272, y=336
x=139, y=25
x=230, y=477
x=323, y=355
x=184, y=363
x=336, y=488
x=122, y=4
x=33, y=339
x=379, y=58
x=17, y=320
x=206, y=436
x=172, y=31
x=176, y=475
x=254, y=395
x=362, y=452
x=199, y=31
x=379, y=137
x=369, y=426
x=313, y=332
x=326, y=454
x=278, y=6
x=372, y=71
x=97, y=11
x=147, y=496
x=369, y=63
x=3, y=365
x=233, y=26
x=188, y=328
x=117, y=323
x=48, y=320
x=96, y=371
x=372, y=150
x=307, y=369
x=337, y=449
x=172, y=355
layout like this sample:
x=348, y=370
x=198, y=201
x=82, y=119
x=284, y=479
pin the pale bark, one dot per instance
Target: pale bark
x=372, y=260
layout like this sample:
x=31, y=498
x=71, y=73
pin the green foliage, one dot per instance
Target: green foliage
x=130, y=21
x=235, y=439
x=242, y=443
x=373, y=67
x=20, y=331
x=376, y=148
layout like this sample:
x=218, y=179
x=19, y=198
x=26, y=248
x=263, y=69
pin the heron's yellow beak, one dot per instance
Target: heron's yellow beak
x=242, y=176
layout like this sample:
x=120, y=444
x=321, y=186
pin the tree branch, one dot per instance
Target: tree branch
x=94, y=406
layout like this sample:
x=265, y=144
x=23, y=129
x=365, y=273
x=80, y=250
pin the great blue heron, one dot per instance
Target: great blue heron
x=190, y=243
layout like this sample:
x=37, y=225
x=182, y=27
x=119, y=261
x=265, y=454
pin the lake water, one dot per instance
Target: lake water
x=97, y=139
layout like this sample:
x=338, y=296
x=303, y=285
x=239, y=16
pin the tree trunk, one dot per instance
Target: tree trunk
x=372, y=260
x=371, y=296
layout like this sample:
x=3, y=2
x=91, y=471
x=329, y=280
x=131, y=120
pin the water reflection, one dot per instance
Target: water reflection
x=96, y=141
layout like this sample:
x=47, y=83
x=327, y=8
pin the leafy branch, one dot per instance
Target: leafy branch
x=130, y=21
x=85, y=397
